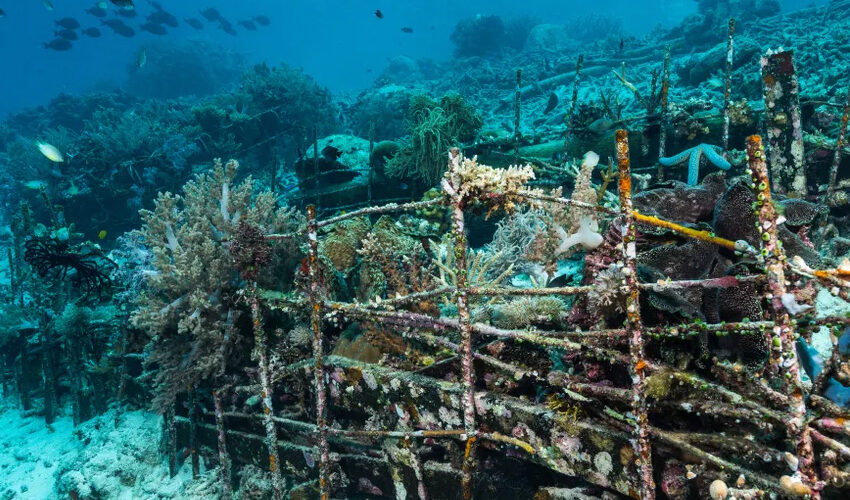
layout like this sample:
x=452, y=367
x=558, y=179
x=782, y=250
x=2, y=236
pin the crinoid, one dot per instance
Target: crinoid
x=82, y=263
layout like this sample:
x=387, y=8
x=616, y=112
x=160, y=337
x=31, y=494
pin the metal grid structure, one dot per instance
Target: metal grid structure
x=779, y=332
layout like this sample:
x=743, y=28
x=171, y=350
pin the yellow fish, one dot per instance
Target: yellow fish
x=50, y=152
x=102, y=234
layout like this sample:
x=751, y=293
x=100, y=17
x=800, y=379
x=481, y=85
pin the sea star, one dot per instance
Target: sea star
x=693, y=155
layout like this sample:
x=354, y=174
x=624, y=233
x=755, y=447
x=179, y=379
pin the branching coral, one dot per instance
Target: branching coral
x=189, y=309
x=495, y=188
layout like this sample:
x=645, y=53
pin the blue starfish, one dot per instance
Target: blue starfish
x=694, y=155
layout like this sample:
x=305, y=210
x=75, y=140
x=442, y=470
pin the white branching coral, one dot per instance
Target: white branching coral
x=189, y=309
x=499, y=188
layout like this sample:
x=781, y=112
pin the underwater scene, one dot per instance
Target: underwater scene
x=424, y=249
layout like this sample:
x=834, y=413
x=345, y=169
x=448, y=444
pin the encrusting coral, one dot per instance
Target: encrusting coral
x=189, y=307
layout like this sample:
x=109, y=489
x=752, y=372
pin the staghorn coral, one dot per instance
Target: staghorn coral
x=494, y=188
x=190, y=309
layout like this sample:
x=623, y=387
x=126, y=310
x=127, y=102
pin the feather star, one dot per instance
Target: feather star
x=694, y=155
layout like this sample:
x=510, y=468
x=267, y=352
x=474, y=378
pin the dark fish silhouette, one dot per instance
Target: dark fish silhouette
x=262, y=20
x=128, y=13
x=227, y=27
x=124, y=4
x=59, y=44
x=161, y=16
x=198, y=25
x=2, y=13
x=96, y=11
x=331, y=153
x=248, y=25
x=211, y=14
x=92, y=32
x=379, y=14
x=68, y=23
x=407, y=29
x=119, y=27
x=552, y=104
x=66, y=34
x=153, y=28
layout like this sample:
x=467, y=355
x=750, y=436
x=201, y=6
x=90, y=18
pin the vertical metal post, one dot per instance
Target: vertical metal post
x=261, y=351
x=170, y=439
x=316, y=184
x=665, y=112
x=573, y=104
x=839, y=145
x=783, y=123
x=727, y=83
x=784, y=366
x=517, y=111
x=193, y=432
x=318, y=350
x=634, y=326
x=371, y=162
x=465, y=324
x=224, y=460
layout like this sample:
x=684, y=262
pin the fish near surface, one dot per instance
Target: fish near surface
x=198, y=25
x=68, y=23
x=124, y=4
x=92, y=32
x=262, y=20
x=66, y=34
x=248, y=25
x=59, y=44
x=153, y=28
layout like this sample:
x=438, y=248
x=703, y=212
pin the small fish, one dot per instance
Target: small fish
x=552, y=104
x=602, y=125
x=97, y=11
x=50, y=152
x=59, y=44
x=156, y=29
x=198, y=25
x=142, y=59
x=262, y=20
x=128, y=13
x=211, y=14
x=102, y=234
x=66, y=34
x=2, y=13
x=407, y=29
x=248, y=25
x=35, y=185
x=47, y=4
x=68, y=23
x=92, y=32
x=227, y=27
x=163, y=17
x=379, y=14
x=621, y=44
x=124, y=4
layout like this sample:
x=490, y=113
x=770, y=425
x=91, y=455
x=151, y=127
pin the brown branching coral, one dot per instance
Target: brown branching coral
x=190, y=309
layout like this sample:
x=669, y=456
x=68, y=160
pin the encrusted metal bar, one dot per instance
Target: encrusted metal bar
x=223, y=458
x=634, y=326
x=784, y=366
x=784, y=123
x=839, y=145
x=727, y=83
x=318, y=349
x=664, y=111
x=193, y=431
x=261, y=352
x=464, y=322
x=170, y=440
x=517, y=111
x=573, y=103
